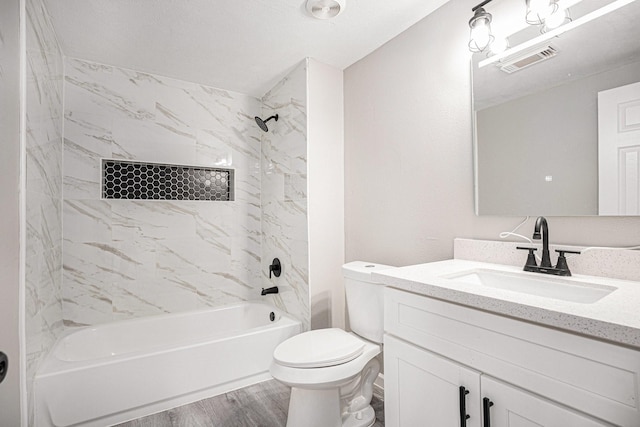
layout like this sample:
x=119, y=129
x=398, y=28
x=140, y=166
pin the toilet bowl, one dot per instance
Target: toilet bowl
x=330, y=371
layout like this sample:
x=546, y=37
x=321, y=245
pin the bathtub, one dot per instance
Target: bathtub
x=108, y=374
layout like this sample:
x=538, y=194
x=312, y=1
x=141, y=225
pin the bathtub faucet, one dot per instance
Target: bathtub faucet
x=273, y=290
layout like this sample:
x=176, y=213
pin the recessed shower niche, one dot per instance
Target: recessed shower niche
x=155, y=181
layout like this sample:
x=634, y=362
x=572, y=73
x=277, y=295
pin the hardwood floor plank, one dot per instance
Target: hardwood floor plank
x=260, y=405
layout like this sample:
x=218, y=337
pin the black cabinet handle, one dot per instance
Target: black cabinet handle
x=486, y=412
x=463, y=407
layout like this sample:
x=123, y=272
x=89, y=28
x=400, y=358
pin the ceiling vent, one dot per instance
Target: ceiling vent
x=530, y=58
x=325, y=9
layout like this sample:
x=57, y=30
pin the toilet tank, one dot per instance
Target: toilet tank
x=365, y=299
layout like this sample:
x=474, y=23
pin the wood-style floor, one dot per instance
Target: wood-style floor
x=260, y=405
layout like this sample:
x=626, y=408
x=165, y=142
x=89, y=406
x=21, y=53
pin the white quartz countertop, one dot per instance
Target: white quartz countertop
x=615, y=317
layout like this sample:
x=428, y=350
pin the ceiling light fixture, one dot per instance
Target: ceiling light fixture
x=325, y=9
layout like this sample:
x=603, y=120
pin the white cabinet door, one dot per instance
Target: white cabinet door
x=514, y=407
x=423, y=389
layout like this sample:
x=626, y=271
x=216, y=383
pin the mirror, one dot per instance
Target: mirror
x=536, y=131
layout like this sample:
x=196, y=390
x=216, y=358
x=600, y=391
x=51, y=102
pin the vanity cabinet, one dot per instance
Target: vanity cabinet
x=531, y=375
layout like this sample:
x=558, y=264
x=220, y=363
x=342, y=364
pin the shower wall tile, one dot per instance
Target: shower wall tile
x=147, y=297
x=43, y=192
x=151, y=220
x=125, y=259
x=295, y=187
x=284, y=199
x=136, y=139
x=87, y=221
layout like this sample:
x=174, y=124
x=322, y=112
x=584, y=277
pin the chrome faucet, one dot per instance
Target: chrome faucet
x=542, y=227
x=541, y=231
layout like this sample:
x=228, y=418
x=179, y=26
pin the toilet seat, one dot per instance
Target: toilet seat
x=318, y=349
x=328, y=376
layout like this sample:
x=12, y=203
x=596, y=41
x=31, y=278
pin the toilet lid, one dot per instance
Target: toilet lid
x=319, y=348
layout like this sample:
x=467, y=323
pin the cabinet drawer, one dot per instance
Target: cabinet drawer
x=592, y=376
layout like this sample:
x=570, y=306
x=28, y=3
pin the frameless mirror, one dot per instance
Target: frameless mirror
x=561, y=136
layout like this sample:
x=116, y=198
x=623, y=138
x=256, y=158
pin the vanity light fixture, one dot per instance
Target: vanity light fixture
x=560, y=17
x=539, y=10
x=481, y=37
x=499, y=45
x=551, y=33
x=548, y=14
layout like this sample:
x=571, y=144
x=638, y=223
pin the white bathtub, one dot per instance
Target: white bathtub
x=104, y=375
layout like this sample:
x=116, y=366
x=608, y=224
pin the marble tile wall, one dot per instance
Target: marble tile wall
x=125, y=259
x=44, y=116
x=284, y=193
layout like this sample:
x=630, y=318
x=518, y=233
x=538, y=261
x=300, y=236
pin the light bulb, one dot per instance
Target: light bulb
x=539, y=10
x=556, y=19
x=480, y=36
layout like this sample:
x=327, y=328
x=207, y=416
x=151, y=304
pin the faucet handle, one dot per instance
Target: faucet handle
x=275, y=268
x=531, y=258
x=566, y=251
x=562, y=261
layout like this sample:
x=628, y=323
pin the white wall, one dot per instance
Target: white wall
x=10, y=312
x=325, y=142
x=408, y=152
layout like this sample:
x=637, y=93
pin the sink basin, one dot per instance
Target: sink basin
x=548, y=287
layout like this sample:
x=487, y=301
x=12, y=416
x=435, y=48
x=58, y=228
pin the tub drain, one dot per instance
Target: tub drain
x=272, y=316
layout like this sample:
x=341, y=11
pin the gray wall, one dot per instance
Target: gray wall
x=553, y=132
x=9, y=208
x=408, y=152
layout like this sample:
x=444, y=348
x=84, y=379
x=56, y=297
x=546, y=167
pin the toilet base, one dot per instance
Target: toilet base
x=321, y=408
x=364, y=418
x=314, y=408
x=346, y=406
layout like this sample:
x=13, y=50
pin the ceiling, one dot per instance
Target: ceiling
x=240, y=45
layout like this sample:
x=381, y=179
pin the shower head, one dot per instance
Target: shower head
x=263, y=123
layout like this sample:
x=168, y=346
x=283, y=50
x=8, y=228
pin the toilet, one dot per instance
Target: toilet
x=331, y=371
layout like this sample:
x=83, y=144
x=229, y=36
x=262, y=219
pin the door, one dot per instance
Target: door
x=619, y=150
x=509, y=406
x=423, y=389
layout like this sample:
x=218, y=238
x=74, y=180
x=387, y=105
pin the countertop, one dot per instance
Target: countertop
x=615, y=317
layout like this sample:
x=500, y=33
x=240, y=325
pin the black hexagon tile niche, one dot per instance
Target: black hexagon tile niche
x=154, y=181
